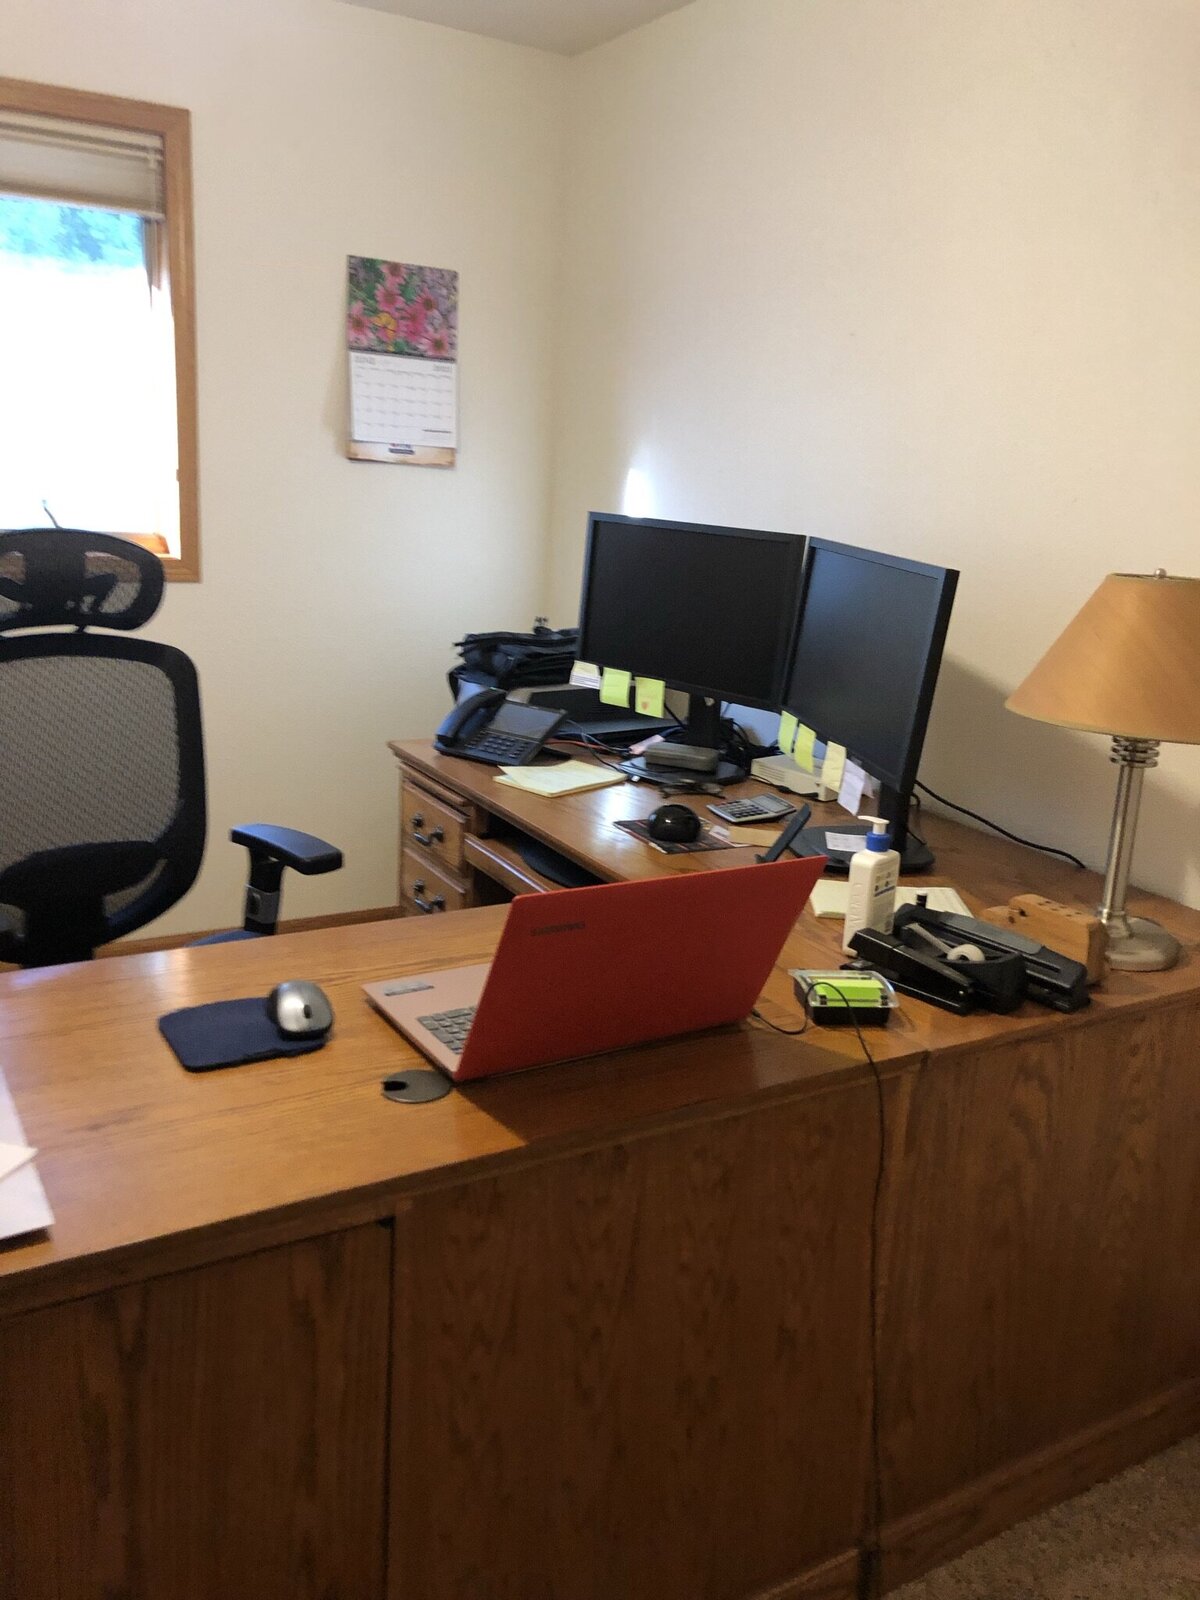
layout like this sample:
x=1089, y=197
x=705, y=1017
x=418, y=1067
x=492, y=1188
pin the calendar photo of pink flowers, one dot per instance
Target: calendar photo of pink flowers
x=402, y=339
x=402, y=310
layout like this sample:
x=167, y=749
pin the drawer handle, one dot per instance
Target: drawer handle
x=434, y=836
x=435, y=903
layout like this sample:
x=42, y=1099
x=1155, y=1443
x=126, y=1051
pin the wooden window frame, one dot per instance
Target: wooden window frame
x=174, y=125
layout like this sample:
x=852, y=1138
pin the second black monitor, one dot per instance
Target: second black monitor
x=866, y=659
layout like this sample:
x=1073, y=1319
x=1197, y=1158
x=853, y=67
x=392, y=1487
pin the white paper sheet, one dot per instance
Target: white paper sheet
x=847, y=843
x=851, y=791
x=23, y=1204
x=13, y=1156
x=403, y=400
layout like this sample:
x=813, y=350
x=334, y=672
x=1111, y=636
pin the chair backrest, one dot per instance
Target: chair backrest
x=102, y=809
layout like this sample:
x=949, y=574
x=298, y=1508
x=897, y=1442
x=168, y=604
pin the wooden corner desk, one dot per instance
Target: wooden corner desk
x=598, y=1332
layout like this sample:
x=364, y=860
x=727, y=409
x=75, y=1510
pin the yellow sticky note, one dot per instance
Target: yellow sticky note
x=802, y=750
x=787, y=732
x=585, y=676
x=615, y=686
x=835, y=765
x=648, y=696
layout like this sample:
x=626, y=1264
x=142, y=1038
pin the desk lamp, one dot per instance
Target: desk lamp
x=1127, y=665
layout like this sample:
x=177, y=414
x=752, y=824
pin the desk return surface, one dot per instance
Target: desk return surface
x=596, y=1330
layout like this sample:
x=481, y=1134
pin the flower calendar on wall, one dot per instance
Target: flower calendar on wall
x=402, y=335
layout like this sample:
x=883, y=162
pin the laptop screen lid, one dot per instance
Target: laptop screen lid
x=581, y=971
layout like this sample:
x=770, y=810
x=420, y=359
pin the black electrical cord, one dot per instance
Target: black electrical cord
x=1047, y=849
x=869, y=1574
x=597, y=748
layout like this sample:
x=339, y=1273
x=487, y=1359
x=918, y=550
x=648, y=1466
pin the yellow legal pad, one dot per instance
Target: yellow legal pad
x=569, y=777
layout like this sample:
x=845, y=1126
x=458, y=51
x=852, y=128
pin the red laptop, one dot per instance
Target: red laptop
x=581, y=971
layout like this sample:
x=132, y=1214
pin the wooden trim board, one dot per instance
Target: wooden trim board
x=937, y=1533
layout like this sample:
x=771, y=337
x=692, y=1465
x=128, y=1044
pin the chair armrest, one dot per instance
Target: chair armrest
x=303, y=851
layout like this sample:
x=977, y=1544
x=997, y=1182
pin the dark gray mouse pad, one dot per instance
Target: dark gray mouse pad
x=228, y=1033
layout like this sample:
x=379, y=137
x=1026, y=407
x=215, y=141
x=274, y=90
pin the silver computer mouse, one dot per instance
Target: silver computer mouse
x=300, y=1009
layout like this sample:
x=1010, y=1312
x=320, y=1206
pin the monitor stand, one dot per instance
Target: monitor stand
x=697, y=764
x=915, y=854
x=686, y=779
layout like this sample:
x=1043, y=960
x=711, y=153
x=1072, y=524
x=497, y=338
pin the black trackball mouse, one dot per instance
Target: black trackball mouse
x=674, y=824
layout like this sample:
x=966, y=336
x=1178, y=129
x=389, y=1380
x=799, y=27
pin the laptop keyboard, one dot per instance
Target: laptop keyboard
x=450, y=1027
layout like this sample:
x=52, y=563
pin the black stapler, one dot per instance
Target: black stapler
x=926, y=977
x=1051, y=979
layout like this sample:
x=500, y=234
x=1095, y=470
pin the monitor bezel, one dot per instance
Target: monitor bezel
x=900, y=782
x=795, y=577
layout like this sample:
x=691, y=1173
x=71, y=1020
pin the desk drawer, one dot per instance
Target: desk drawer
x=502, y=864
x=424, y=890
x=432, y=826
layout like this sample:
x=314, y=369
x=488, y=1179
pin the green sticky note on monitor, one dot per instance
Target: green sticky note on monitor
x=802, y=751
x=835, y=765
x=649, y=696
x=787, y=732
x=615, y=686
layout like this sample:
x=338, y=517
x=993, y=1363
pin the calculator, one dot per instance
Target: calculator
x=762, y=808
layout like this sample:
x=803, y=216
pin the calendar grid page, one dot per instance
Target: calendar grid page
x=403, y=400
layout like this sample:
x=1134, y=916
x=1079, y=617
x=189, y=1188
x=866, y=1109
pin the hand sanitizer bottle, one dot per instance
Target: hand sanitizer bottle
x=873, y=873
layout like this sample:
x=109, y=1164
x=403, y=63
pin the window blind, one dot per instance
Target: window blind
x=118, y=169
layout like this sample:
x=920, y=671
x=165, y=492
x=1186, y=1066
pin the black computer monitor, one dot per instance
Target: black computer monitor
x=863, y=670
x=707, y=610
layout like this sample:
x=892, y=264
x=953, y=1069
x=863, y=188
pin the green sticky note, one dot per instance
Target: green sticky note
x=802, y=752
x=787, y=732
x=835, y=766
x=849, y=991
x=615, y=686
x=648, y=696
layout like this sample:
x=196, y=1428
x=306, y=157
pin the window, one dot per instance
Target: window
x=97, y=328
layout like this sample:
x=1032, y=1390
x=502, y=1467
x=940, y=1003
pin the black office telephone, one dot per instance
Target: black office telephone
x=490, y=727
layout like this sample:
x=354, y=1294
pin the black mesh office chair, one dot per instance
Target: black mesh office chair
x=102, y=808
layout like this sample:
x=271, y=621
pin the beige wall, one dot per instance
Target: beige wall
x=922, y=276
x=332, y=590
x=919, y=275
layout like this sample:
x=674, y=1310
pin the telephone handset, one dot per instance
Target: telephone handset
x=467, y=718
x=490, y=727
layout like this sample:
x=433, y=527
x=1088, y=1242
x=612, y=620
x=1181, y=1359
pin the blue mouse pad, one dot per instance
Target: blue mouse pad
x=228, y=1033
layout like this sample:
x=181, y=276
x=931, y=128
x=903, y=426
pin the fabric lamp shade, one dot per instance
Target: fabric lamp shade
x=1128, y=663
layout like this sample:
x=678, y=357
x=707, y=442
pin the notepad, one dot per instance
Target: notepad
x=830, y=897
x=569, y=777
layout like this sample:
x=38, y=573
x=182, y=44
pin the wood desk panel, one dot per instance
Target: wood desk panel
x=643, y=1371
x=210, y=1435
x=1041, y=1281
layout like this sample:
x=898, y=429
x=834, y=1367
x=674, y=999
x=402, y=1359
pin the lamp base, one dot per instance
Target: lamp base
x=1135, y=944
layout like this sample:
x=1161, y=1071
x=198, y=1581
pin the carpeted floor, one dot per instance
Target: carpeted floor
x=1136, y=1537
